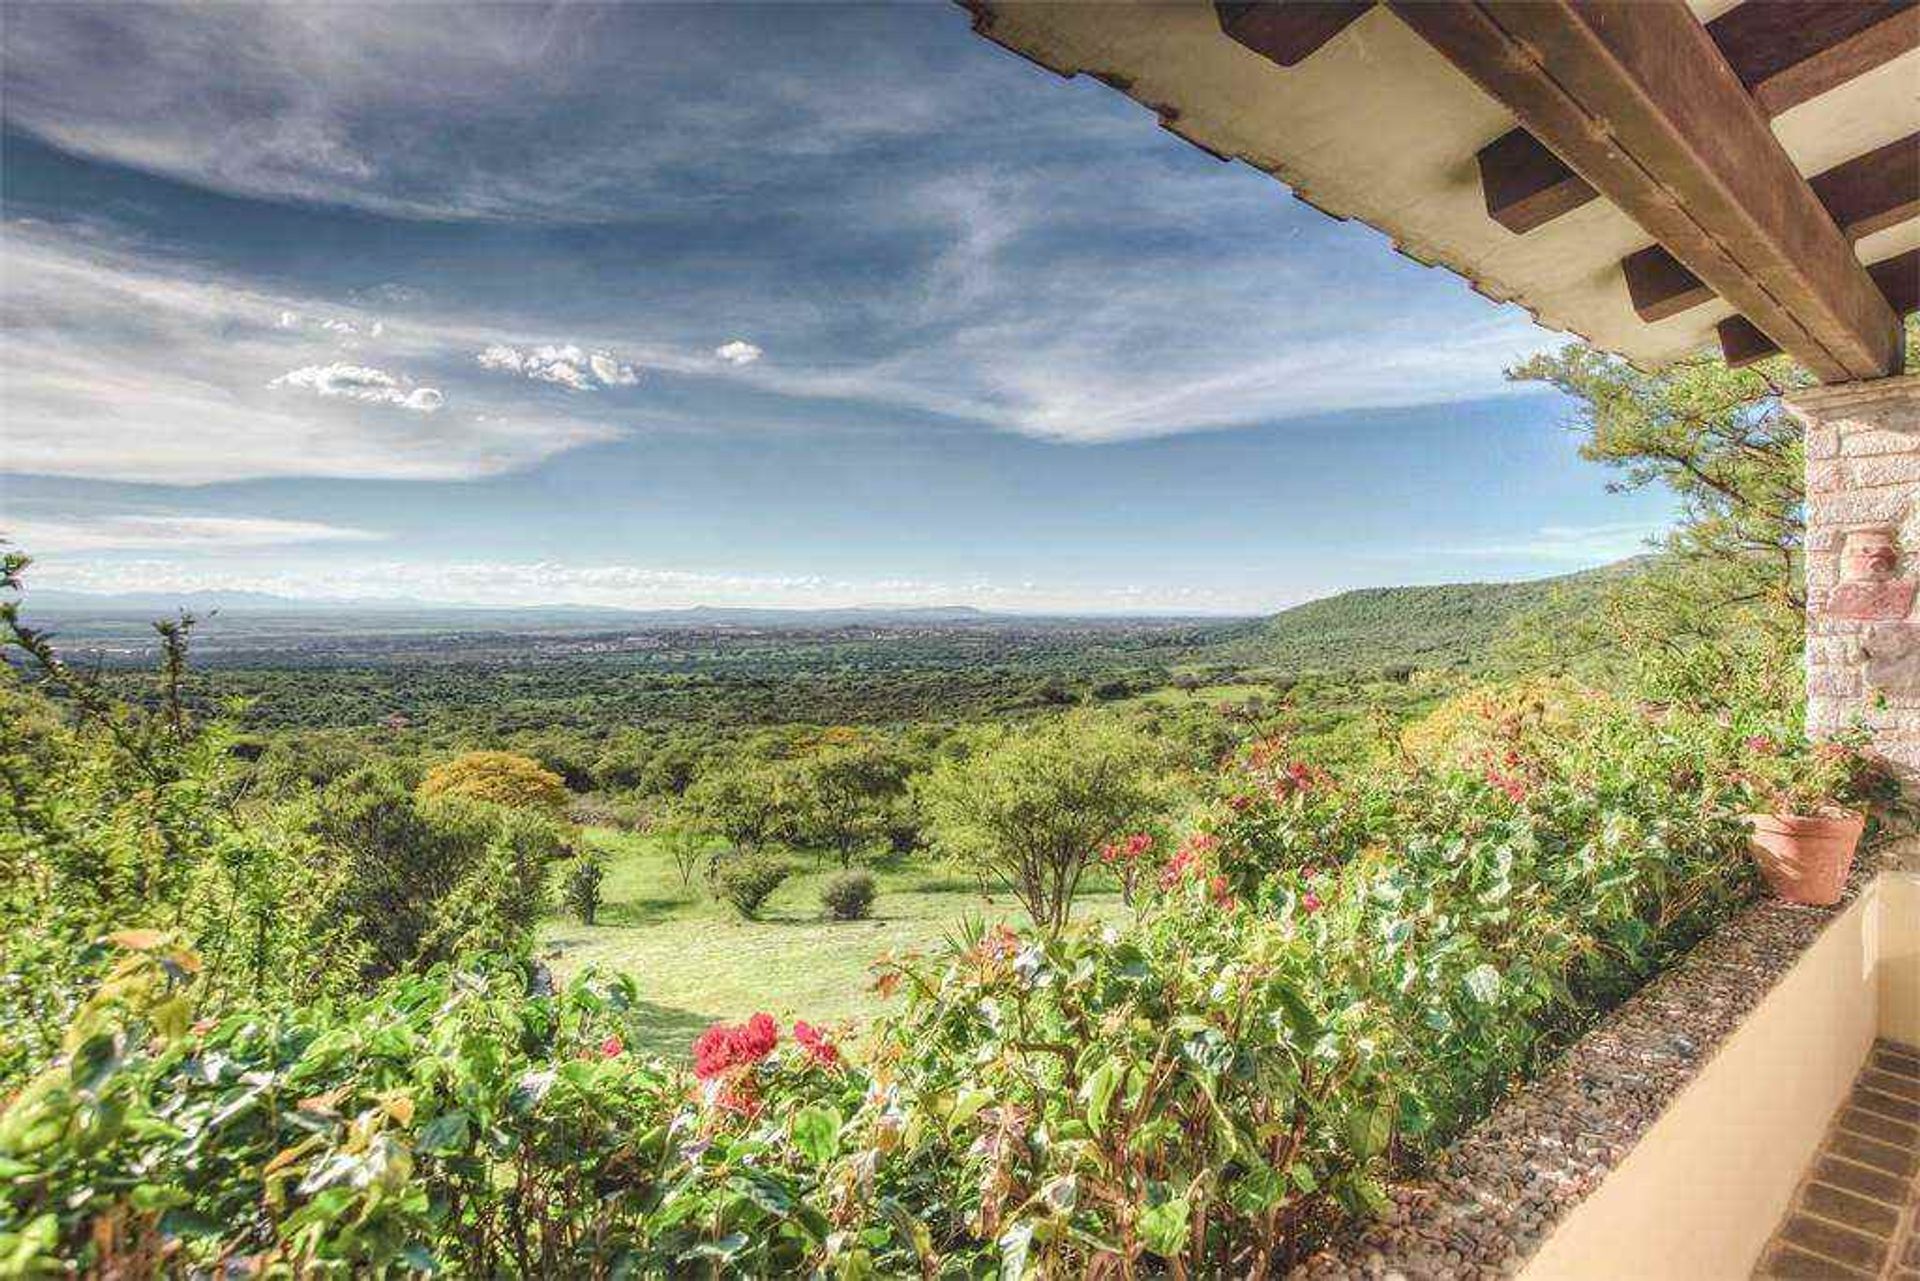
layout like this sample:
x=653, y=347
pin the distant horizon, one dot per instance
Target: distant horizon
x=781, y=307
x=238, y=601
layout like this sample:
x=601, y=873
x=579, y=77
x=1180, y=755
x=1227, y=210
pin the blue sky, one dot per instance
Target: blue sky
x=655, y=306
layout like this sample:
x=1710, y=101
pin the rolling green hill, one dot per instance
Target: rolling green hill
x=1453, y=625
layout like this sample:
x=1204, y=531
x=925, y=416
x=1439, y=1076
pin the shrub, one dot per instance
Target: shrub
x=748, y=879
x=849, y=896
x=1032, y=808
x=500, y=778
x=584, y=875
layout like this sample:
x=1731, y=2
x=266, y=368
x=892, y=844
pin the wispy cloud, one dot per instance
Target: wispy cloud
x=172, y=532
x=1569, y=544
x=113, y=368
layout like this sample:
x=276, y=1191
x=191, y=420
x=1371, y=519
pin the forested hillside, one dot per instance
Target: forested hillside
x=1452, y=625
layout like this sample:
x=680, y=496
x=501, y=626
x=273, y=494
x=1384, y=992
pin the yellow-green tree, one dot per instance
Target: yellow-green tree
x=501, y=778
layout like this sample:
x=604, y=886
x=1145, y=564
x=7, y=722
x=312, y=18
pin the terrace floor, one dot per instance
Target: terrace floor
x=1857, y=1212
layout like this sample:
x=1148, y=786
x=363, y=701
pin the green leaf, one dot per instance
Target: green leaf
x=1482, y=983
x=1164, y=1227
x=1013, y=1244
x=816, y=1132
x=447, y=1132
x=1368, y=1130
x=1099, y=1089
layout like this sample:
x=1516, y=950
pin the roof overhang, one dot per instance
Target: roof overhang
x=1650, y=175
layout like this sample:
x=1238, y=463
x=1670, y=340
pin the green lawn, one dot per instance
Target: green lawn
x=697, y=962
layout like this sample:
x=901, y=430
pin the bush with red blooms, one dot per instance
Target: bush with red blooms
x=1126, y=859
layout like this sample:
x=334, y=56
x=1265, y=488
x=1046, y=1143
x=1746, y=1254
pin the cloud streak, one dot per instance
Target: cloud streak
x=172, y=532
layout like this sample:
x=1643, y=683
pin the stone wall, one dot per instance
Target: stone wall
x=1863, y=561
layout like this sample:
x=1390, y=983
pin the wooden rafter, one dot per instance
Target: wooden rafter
x=1287, y=31
x=1635, y=96
x=1897, y=278
x=1784, y=51
x=1526, y=185
x=1789, y=51
x=1869, y=193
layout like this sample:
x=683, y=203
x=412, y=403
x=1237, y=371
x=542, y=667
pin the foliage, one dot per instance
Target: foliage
x=846, y=797
x=849, y=896
x=747, y=878
x=746, y=803
x=499, y=778
x=1200, y=1092
x=420, y=880
x=582, y=886
x=687, y=846
x=450, y=1120
x=1785, y=772
x=1032, y=807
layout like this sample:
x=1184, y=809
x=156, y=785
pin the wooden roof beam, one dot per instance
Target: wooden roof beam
x=1637, y=99
x=1789, y=51
x=1287, y=31
x=1897, y=278
x=1784, y=51
x=1868, y=193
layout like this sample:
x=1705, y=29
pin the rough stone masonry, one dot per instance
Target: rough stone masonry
x=1863, y=561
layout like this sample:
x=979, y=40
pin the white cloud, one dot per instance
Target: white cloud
x=114, y=369
x=358, y=382
x=738, y=352
x=566, y=364
x=172, y=532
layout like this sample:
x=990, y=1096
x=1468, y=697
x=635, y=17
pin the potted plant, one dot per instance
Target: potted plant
x=1810, y=800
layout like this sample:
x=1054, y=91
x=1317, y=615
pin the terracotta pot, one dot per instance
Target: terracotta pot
x=1806, y=858
x=1869, y=556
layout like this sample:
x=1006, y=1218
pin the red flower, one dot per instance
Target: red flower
x=611, y=1048
x=722, y=1047
x=1222, y=893
x=1513, y=786
x=1760, y=745
x=1310, y=902
x=1239, y=804
x=819, y=1049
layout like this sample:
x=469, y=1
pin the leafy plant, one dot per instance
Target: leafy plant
x=849, y=896
x=746, y=879
x=500, y=778
x=584, y=876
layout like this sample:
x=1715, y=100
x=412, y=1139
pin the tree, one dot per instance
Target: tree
x=746, y=804
x=846, y=795
x=499, y=778
x=1033, y=806
x=1720, y=441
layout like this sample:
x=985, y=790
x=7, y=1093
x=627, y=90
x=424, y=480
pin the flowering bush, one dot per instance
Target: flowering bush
x=1785, y=772
x=1322, y=985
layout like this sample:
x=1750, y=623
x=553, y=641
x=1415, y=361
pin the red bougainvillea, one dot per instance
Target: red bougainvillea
x=724, y=1047
x=819, y=1049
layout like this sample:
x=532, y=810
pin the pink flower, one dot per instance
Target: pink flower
x=1760, y=745
x=611, y=1048
x=723, y=1047
x=1310, y=902
x=818, y=1048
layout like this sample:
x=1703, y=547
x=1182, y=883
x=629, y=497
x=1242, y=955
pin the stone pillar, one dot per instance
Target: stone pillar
x=1863, y=561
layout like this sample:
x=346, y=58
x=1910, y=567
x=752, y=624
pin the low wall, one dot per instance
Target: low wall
x=1669, y=1141
x=1700, y=1195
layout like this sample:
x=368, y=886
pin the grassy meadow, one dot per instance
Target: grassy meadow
x=697, y=962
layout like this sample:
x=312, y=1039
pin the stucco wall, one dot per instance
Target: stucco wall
x=1733, y=1146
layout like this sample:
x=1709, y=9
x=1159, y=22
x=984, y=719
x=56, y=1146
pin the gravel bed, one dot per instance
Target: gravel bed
x=1500, y=1189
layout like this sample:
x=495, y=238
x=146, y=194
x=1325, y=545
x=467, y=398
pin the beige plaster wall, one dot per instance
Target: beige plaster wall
x=1701, y=1193
x=1900, y=957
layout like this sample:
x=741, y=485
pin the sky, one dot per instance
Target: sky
x=654, y=306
